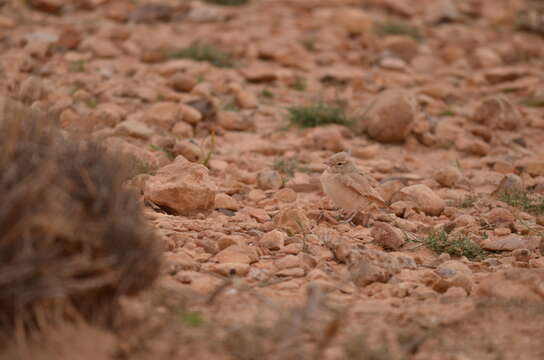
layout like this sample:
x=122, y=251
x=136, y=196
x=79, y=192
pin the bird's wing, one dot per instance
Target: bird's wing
x=362, y=185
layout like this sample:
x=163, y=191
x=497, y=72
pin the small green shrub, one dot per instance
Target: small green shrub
x=524, y=200
x=440, y=242
x=318, y=114
x=204, y=52
x=398, y=28
x=299, y=84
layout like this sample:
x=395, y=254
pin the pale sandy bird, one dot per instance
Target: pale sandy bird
x=349, y=188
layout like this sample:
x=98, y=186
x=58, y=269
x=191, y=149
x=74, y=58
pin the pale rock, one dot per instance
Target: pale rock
x=287, y=262
x=448, y=176
x=499, y=113
x=393, y=63
x=182, y=130
x=354, y=20
x=190, y=114
x=230, y=269
x=499, y=216
x=286, y=195
x=291, y=272
x=293, y=249
x=134, y=128
x=259, y=73
x=273, y=240
x=327, y=137
x=256, y=195
x=441, y=11
x=371, y=266
x=387, y=236
x=472, y=145
x=188, y=149
x=109, y=114
x=180, y=261
x=513, y=285
x=231, y=120
x=389, y=116
x=292, y=219
x=425, y=198
x=487, y=58
x=224, y=201
x=269, y=180
x=453, y=295
x=246, y=100
x=163, y=115
x=404, y=47
x=182, y=82
x=510, y=242
x=465, y=220
x=183, y=187
x=100, y=47
x=534, y=167
x=237, y=254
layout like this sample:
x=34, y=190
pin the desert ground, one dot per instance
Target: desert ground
x=212, y=234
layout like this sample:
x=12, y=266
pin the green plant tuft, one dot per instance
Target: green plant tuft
x=204, y=52
x=524, y=200
x=398, y=28
x=318, y=114
x=440, y=242
x=299, y=84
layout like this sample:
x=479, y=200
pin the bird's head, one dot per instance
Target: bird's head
x=339, y=163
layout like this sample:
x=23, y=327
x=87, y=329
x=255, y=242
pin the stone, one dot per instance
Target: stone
x=423, y=196
x=183, y=187
x=448, y=176
x=163, y=114
x=231, y=120
x=246, y=100
x=287, y=262
x=188, y=149
x=134, y=128
x=499, y=113
x=510, y=182
x=101, y=48
x=286, y=195
x=292, y=219
x=273, y=240
x=371, y=266
x=182, y=130
x=235, y=254
x=514, y=285
x=224, y=201
x=190, y=114
x=269, y=180
x=328, y=137
x=404, y=47
x=387, y=236
x=180, y=261
x=510, y=242
x=182, y=82
x=499, y=216
x=50, y=6
x=472, y=145
x=523, y=255
x=230, y=269
x=389, y=116
x=108, y=114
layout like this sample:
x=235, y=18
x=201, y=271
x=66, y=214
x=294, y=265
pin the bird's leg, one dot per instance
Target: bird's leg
x=350, y=217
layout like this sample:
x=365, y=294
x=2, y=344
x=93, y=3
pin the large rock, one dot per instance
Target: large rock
x=389, y=116
x=498, y=112
x=183, y=187
x=423, y=196
x=510, y=242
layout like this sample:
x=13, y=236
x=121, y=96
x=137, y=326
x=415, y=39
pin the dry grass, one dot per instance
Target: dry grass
x=72, y=239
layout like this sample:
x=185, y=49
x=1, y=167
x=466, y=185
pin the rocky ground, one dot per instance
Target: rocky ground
x=226, y=114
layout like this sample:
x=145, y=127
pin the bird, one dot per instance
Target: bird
x=349, y=188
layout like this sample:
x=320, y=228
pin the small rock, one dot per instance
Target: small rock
x=448, y=176
x=163, y=115
x=387, y=236
x=292, y=219
x=183, y=130
x=404, y=47
x=425, y=198
x=246, y=100
x=273, y=240
x=389, y=116
x=291, y=272
x=224, y=201
x=327, y=137
x=454, y=294
x=287, y=262
x=286, y=195
x=182, y=82
x=101, y=47
x=371, y=266
x=108, y=114
x=523, y=255
x=499, y=113
x=135, y=128
x=269, y=180
x=235, y=254
x=510, y=242
x=510, y=182
x=182, y=187
x=190, y=114
x=499, y=216
x=230, y=269
x=188, y=149
x=231, y=120
x=472, y=145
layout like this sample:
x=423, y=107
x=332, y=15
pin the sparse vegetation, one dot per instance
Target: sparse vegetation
x=230, y=106
x=309, y=43
x=533, y=102
x=76, y=66
x=440, y=242
x=289, y=167
x=204, y=52
x=318, y=114
x=168, y=153
x=299, y=84
x=398, y=28
x=267, y=94
x=524, y=200
x=447, y=112
x=469, y=201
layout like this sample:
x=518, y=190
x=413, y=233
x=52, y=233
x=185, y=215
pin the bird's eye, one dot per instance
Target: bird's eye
x=339, y=164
